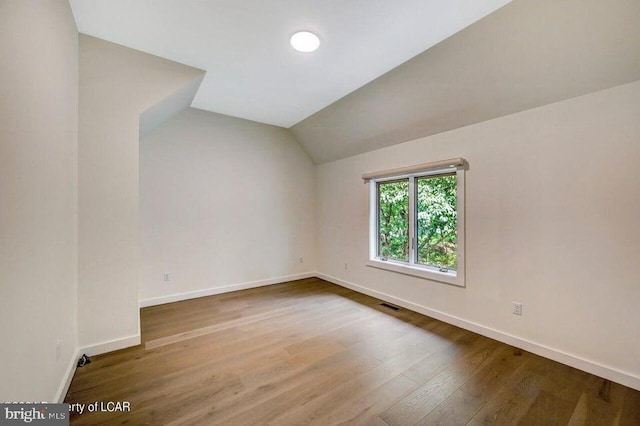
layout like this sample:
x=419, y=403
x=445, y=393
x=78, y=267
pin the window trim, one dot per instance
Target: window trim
x=413, y=268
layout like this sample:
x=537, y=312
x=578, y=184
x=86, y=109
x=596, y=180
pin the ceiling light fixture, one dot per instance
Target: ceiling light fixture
x=305, y=41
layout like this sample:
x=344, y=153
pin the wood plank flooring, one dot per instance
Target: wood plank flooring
x=309, y=352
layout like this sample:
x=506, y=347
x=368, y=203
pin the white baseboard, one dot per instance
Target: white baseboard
x=110, y=346
x=97, y=349
x=580, y=363
x=177, y=297
x=125, y=342
x=68, y=376
x=607, y=372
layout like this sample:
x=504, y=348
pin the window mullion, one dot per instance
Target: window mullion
x=412, y=220
x=375, y=221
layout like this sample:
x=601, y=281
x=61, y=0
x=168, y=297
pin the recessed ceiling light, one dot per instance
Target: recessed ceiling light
x=304, y=41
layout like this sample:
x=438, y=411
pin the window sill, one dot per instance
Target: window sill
x=433, y=275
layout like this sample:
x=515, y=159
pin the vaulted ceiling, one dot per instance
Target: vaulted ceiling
x=527, y=54
x=252, y=70
x=386, y=72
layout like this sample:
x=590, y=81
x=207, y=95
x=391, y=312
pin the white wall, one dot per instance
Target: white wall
x=552, y=222
x=38, y=197
x=223, y=202
x=116, y=85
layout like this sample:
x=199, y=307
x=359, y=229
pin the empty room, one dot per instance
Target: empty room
x=289, y=212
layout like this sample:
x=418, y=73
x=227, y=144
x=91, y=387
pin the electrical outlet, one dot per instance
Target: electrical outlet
x=346, y=265
x=58, y=350
x=301, y=260
x=167, y=276
x=517, y=308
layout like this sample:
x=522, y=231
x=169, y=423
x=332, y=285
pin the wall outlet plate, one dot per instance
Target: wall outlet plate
x=517, y=308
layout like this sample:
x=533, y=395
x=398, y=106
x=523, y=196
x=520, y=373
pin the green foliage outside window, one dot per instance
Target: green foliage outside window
x=436, y=221
x=393, y=216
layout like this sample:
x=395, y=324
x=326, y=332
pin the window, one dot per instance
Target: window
x=417, y=221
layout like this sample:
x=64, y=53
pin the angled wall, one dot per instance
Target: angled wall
x=38, y=198
x=117, y=84
x=526, y=54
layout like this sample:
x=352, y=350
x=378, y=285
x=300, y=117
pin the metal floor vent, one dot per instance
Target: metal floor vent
x=393, y=308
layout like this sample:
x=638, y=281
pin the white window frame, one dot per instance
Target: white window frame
x=412, y=267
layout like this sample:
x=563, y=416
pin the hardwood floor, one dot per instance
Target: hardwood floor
x=309, y=352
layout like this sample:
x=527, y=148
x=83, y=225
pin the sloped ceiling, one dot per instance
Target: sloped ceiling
x=526, y=54
x=252, y=71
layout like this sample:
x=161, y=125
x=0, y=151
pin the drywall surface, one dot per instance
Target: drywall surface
x=38, y=197
x=116, y=85
x=223, y=201
x=526, y=54
x=551, y=222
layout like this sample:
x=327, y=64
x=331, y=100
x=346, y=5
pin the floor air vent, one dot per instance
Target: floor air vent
x=393, y=308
